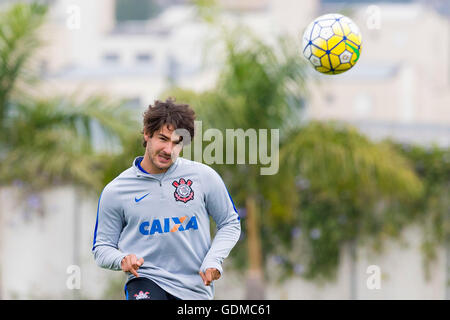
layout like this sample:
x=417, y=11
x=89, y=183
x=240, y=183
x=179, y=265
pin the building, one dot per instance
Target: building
x=400, y=87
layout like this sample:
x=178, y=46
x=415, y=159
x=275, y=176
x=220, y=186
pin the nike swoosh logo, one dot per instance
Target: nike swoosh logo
x=355, y=50
x=139, y=199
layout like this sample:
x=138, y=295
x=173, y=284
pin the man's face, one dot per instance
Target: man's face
x=163, y=148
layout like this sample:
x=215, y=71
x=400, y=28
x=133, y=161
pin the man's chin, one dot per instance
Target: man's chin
x=163, y=165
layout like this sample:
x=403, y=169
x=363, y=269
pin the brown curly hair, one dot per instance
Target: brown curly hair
x=180, y=116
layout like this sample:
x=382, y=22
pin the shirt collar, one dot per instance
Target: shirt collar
x=141, y=172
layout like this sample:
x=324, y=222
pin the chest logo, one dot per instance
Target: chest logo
x=136, y=199
x=183, y=191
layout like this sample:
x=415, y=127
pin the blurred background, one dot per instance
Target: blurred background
x=359, y=207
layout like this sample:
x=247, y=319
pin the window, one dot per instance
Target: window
x=132, y=10
x=133, y=103
x=111, y=57
x=144, y=57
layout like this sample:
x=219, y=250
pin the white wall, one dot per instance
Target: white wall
x=37, y=245
x=402, y=277
x=37, y=241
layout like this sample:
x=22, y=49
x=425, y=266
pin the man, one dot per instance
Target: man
x=153, y=219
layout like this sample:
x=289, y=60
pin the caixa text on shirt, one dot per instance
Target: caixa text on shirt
x=166, y=225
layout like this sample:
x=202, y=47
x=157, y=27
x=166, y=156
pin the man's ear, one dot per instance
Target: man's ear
x=146, y=136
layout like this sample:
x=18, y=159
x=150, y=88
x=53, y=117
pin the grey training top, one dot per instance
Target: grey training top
x=164, y=219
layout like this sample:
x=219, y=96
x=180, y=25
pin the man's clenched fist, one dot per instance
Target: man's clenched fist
x=131, y=264
x=209, y=276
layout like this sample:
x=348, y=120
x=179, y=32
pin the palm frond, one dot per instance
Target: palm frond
x=18, y=42
x=56, y=140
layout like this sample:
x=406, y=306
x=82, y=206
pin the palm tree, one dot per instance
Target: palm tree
x=259, y=88
x=263, y=87
x=432, y=164
x=18, y=41
x=358, y=192
x=56, y=138
x=61, y=140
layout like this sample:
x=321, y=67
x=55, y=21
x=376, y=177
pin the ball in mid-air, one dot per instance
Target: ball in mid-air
x=332, y=43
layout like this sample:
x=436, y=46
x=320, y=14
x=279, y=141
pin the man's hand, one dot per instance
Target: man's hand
x=131, y=264
x=210, y=275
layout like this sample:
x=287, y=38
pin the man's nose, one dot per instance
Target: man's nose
x=168, y=148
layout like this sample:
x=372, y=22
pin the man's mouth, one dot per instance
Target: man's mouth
x=164, y=158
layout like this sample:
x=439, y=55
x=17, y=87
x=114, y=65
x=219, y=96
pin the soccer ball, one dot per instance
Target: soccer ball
x=332, y=43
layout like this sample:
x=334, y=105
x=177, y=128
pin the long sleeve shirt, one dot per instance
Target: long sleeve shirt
x=164, y=218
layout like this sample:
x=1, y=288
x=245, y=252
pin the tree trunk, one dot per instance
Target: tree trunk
x=76, y=235
x=447, y=269
x=255, y=281
x=1, y=245
x=353, y=271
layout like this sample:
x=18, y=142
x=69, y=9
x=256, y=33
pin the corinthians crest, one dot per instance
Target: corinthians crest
x=183, y=191
x=142, y=295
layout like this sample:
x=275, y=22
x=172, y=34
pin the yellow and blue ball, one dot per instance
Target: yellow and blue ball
x=332, y=43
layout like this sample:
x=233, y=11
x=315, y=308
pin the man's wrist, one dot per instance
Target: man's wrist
x=120, y=260
x=212, y=265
